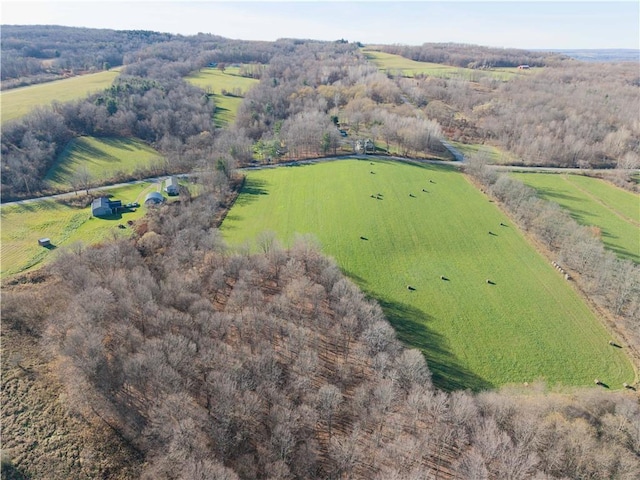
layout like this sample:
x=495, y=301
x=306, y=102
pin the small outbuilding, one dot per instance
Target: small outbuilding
x=171, y=186
x=154, y=198
x=103, y=207
x=44, y=242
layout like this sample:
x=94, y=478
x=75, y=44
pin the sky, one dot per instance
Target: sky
x=541, y=24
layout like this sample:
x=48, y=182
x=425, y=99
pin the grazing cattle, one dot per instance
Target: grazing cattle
x=431, y=181
x=442, y=277
x=409, y=287
x=412, y=195
x=597, y=382
x=424, y=191
x=372, y=172
x=363, y=238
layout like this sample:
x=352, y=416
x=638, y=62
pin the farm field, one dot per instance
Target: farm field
x=389, y=62
x=23, y=225
x=103, y=158
x=528, y=325
x=493, y=154
x=20, y=101
x=594, y=202
x=214, y=81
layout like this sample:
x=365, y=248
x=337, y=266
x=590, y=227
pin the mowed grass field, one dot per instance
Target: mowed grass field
x=17, y=102
x=23, y=225
x=103, y=158
x=389, y=62
x=594, y=202
x=214, y=81
x=528, y=325
x=491, y=153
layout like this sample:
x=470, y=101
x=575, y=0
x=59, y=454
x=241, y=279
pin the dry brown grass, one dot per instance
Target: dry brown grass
x=41, y=437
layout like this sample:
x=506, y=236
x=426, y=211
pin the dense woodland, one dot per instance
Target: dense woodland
x=204, y=363
x=473, y=56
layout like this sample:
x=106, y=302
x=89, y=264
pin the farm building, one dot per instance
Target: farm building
x=44, y=242
x=102, y=207
x=523, y=67
x=154, y=198
x=171, y=186
x=365, y=146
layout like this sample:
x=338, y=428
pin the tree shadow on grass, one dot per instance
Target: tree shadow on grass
x=67, y=165
x=252, y=189
x=411, y=325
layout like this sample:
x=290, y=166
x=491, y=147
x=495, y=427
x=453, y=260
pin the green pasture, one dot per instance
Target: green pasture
x=226, y=109
x=391, y=63
x=491, y=153
x=24, y=224
x=594, y=202
x=101, y=159
x=528, y=325
x=214, y=81
x=17, y=102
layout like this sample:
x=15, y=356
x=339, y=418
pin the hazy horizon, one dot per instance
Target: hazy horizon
x=541, y=25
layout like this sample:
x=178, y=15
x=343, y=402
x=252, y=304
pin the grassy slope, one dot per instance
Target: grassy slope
x=492, y=153
x=18, y=102
x=594, y=202
x=23, y=225
x=214, y=81
x=390, y=62
x=102, y=157
x=531, y=324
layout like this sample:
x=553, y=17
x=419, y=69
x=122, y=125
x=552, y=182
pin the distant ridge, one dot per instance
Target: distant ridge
x=603, y=55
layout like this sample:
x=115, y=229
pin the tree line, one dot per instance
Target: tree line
x=473, y=56
x=36, y=54
x=611, y=282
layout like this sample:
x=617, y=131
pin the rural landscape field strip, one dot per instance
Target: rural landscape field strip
x=20, y=101
x=391, y=63
x=215, y=81
x=594, y=202
x=100, y=158
x=485, y=308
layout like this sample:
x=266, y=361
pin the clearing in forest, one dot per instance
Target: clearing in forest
x=96, y=160
x=388, y=62
x=215, y=81
x=484, y=306
x=18, y=102
x=594, y=202
x=24, y=224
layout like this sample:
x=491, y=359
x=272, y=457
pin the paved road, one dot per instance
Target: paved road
x=460, y=160
x=457, y=154
x=62, y=196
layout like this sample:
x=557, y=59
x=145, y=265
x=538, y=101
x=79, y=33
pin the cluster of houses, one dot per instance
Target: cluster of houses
x=104, y=206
